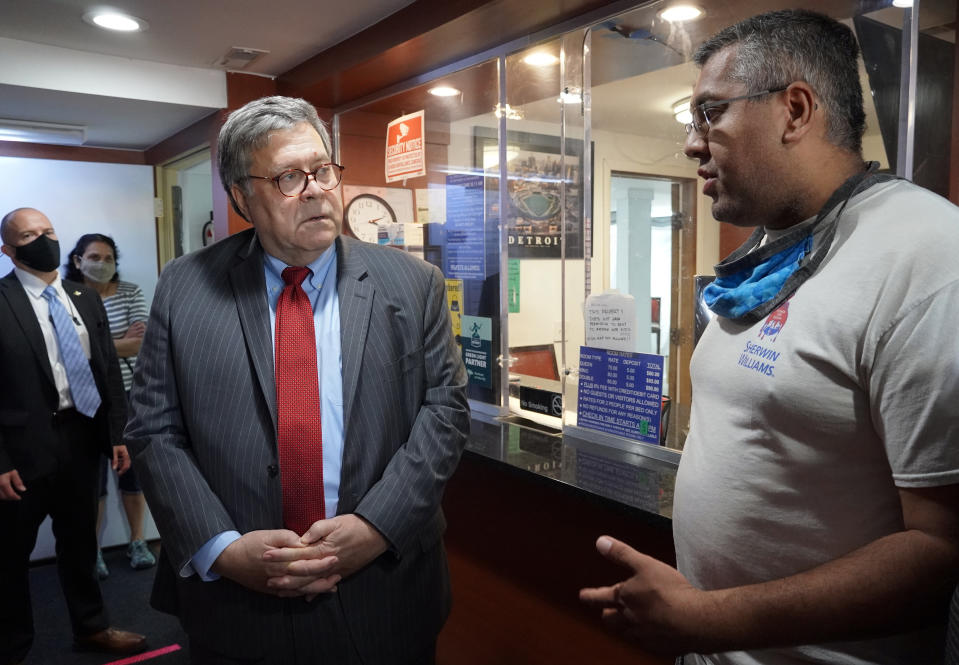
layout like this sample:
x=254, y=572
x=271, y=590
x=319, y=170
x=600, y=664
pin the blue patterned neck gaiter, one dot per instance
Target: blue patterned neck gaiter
x=762, y=278
x=753, y=280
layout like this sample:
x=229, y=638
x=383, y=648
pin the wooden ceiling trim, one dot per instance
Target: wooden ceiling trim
x=71, y=153
x=360, y=67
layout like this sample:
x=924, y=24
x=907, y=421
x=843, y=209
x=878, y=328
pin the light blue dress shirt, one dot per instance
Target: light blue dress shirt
x=320, y=288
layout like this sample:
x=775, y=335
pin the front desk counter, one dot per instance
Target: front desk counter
x=524, y=510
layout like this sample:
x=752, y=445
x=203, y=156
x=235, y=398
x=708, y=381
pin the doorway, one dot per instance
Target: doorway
x=185, y=186
x=652, y=257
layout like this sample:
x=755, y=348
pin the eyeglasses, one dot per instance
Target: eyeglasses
x=293, y=182
x=704, y=114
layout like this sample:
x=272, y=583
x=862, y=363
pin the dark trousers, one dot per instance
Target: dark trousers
x=69, y=497
x=301, y=643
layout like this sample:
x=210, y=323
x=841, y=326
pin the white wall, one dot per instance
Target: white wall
x=87, y=197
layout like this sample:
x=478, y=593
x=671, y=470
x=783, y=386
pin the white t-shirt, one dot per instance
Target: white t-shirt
x=803, y=425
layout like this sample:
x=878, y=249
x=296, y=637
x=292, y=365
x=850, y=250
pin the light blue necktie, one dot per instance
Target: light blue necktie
x=86, y=397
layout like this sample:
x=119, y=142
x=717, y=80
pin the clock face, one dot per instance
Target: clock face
x=369, y=217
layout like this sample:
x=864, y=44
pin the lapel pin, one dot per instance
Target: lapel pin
x=76, y=293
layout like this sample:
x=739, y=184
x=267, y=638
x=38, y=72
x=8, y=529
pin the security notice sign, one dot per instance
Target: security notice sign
x=405, y=148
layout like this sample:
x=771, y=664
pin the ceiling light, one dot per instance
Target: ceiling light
x=681, y=111
x=42, y=132
x=111, y=20
x=444, y=91
x=680, y=13
x=541, y=59
x=905, y=4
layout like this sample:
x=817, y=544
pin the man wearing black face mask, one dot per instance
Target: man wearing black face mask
x=61, y=400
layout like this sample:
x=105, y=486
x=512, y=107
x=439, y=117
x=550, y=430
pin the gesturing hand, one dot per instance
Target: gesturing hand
x=657, y=606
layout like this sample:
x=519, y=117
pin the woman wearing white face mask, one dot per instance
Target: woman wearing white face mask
x=94, y=262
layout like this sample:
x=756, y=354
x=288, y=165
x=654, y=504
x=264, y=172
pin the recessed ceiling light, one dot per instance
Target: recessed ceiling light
x=444, y=91
x=902, y=3
x=680, y=13
x=110, y=20
x=541, y=59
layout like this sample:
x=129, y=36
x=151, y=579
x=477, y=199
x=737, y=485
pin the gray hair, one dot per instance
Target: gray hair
x=247, y=129
x=780, y=47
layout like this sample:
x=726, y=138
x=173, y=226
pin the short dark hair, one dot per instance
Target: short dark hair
x=72, y=272
x=246, y=129
x=779, y=47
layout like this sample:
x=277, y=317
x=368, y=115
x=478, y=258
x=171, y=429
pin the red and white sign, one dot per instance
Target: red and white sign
x=405, y=148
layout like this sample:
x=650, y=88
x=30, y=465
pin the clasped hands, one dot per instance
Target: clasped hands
x=282, y=563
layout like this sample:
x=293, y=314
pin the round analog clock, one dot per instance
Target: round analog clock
x=368, y=214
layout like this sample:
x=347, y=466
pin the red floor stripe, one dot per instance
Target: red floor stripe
x=146, y=656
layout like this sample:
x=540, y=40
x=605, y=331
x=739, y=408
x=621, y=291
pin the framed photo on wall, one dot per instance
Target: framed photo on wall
x=534, y=217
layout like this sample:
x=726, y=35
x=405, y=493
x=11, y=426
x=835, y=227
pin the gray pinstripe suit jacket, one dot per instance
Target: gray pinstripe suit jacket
x=203, y=437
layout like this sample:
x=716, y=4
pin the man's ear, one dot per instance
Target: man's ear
x=8, y=250
x=238, y=198
x=803, y=109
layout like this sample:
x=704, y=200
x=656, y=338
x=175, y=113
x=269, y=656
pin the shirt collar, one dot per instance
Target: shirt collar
x=319, y=268
x=35, y=286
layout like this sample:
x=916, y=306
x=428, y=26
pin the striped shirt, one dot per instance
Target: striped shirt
x=124, y=308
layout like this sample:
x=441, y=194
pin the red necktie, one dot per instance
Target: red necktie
x=299, y=436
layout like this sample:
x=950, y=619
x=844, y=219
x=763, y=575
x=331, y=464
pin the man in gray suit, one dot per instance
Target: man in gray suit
x=251, y=578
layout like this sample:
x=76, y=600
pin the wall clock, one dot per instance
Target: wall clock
x=367, y=216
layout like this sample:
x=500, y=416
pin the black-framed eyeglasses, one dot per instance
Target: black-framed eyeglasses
x=704, y=114
x=293, y=182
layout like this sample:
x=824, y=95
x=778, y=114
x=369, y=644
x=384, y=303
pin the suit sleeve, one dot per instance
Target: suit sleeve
x=114, y=379
x=186, y=510
x=408, y=495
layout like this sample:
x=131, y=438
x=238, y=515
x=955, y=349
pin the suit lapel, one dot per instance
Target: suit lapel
x=23, y=312
x=355, y=293
x=249, y=291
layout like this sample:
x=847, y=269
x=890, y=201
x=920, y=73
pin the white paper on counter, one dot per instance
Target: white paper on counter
x=611, y=321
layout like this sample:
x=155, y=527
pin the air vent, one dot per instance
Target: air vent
x=239, y=57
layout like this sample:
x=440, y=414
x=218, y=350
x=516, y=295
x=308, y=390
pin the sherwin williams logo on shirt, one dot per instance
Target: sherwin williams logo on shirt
x=758, y=357
x=775, y=322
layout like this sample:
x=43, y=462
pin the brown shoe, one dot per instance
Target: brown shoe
x=111, y=640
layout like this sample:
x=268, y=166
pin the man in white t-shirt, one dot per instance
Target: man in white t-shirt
x=816, y=514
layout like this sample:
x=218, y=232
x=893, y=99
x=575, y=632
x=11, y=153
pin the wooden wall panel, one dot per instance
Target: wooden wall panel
x=70, y=153
x=200, y=134
x=520, y=548
x=731, y=237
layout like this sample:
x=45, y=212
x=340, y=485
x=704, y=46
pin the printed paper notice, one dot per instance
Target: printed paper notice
x=620, y=393
x=611, y=321
x=405, y=148
x=454, y=302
